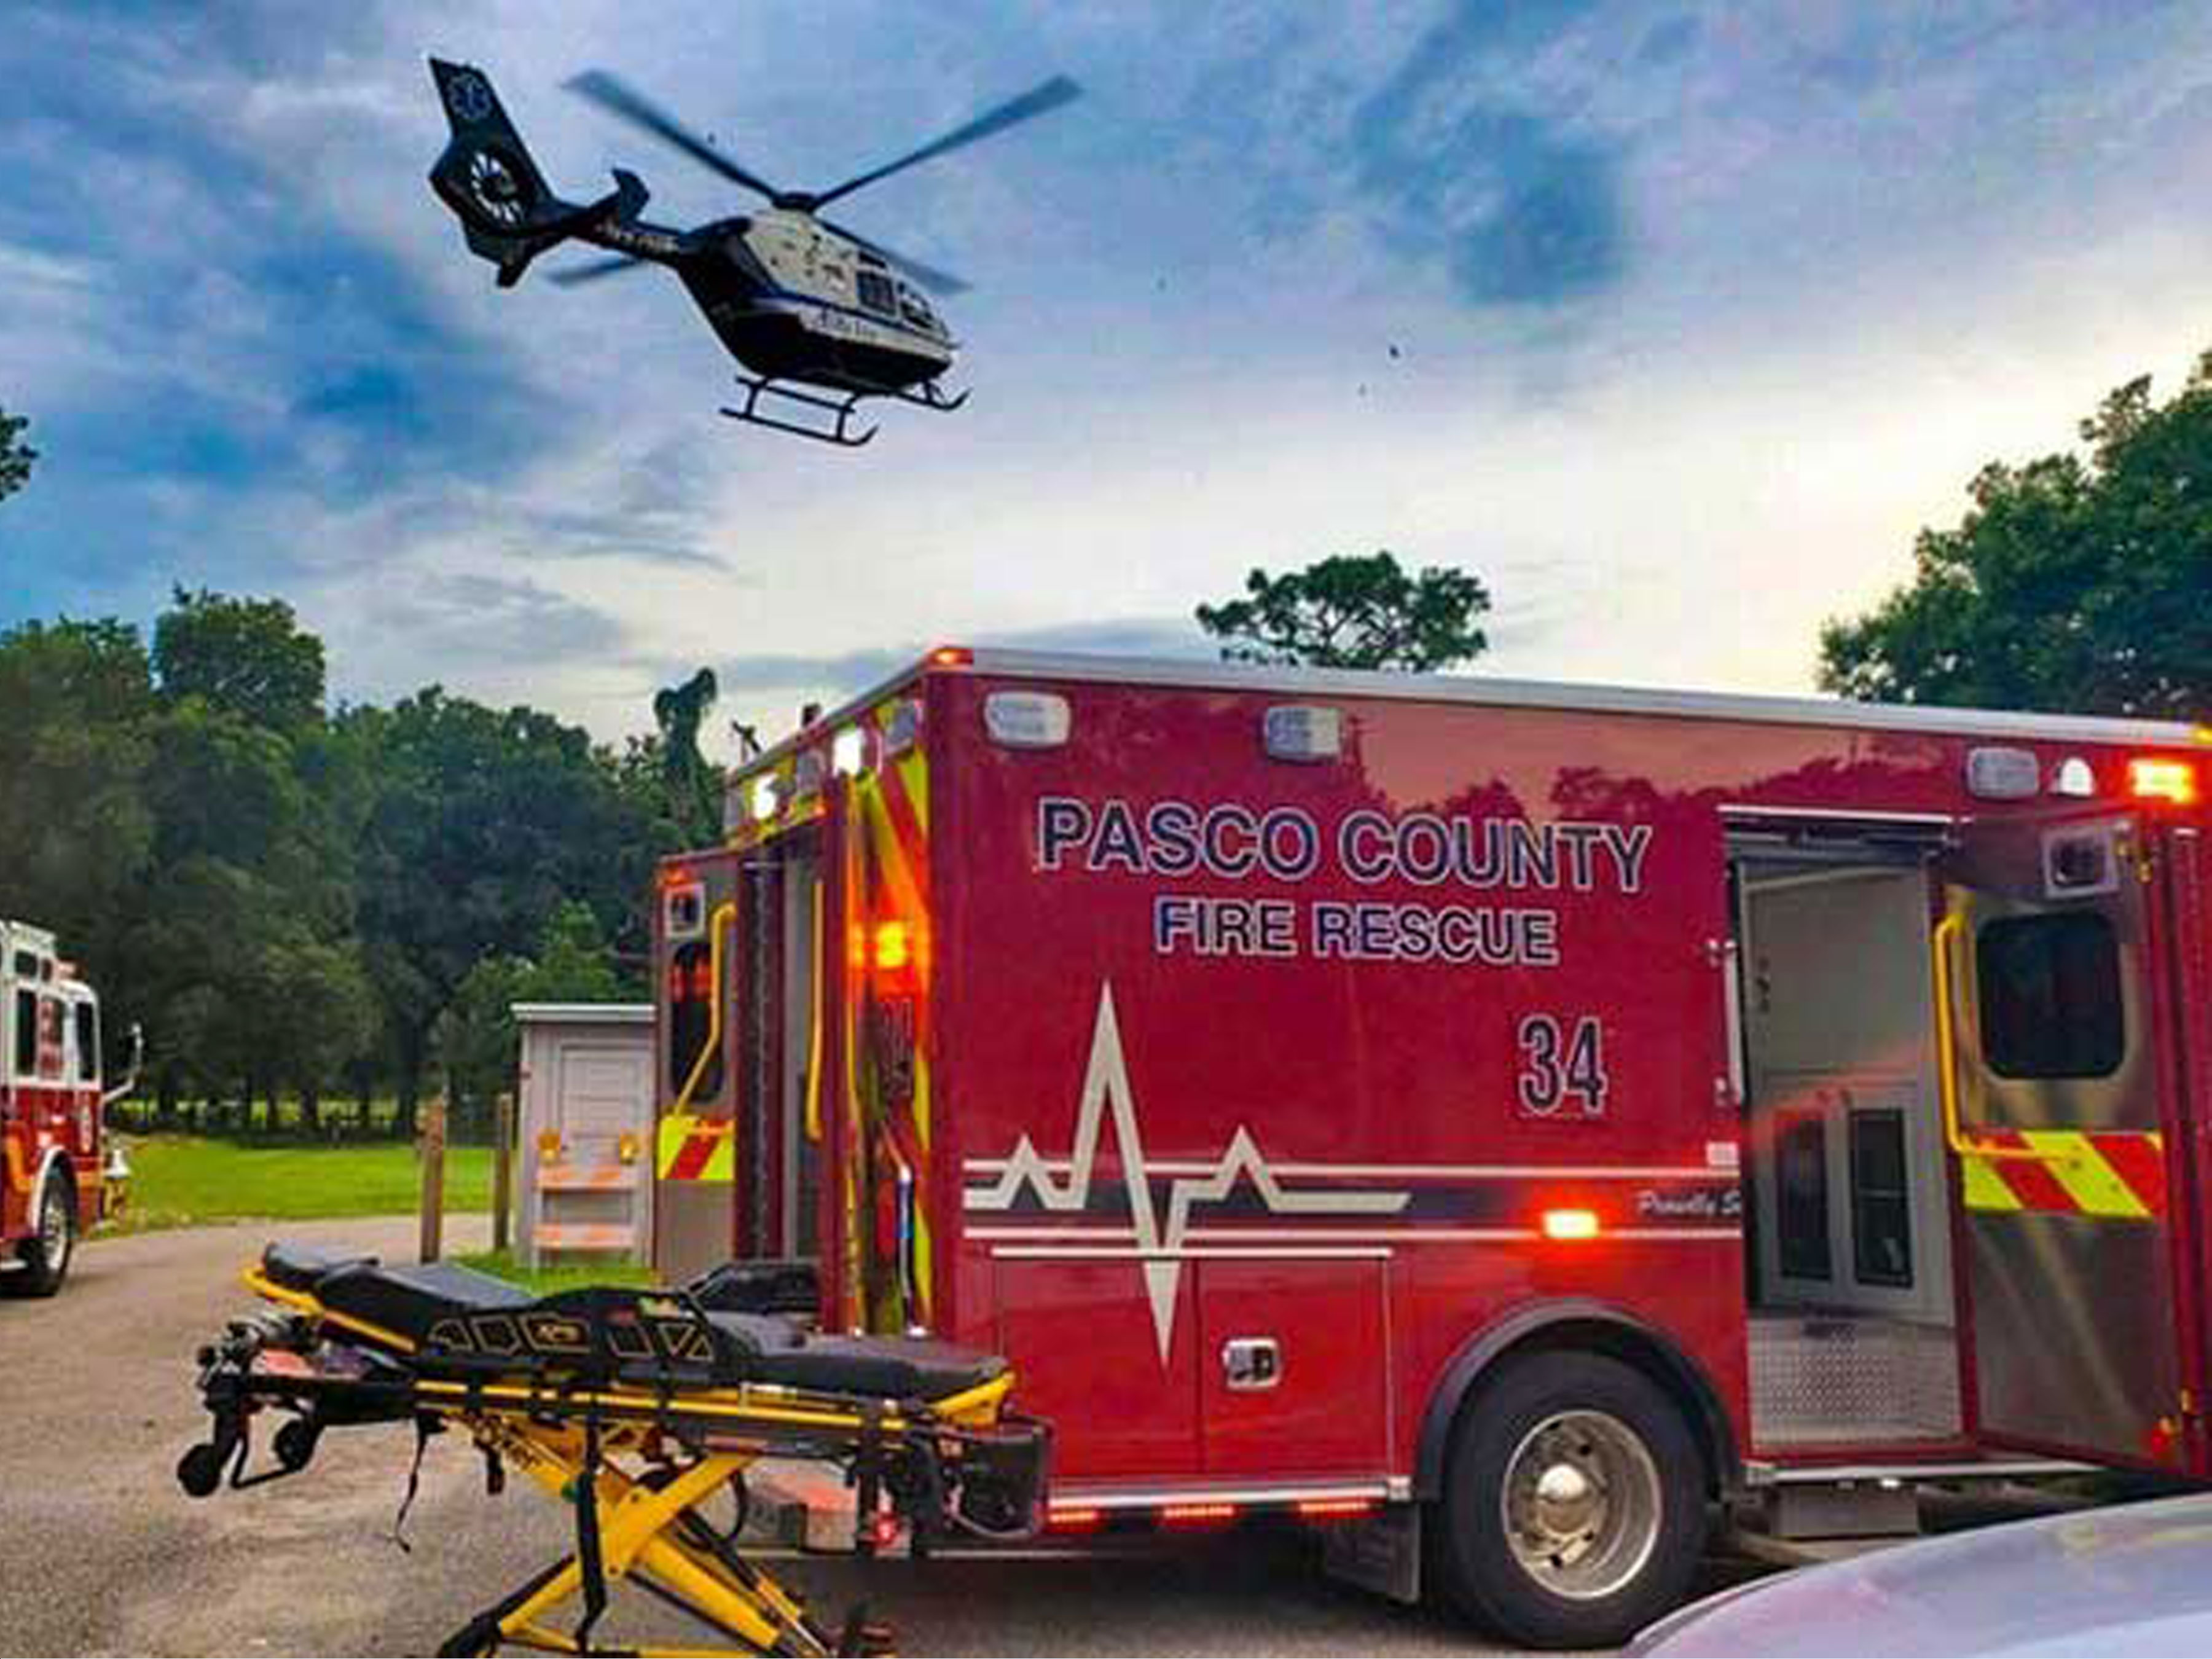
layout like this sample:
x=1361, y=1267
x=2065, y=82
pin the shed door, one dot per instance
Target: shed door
x=2055, y=964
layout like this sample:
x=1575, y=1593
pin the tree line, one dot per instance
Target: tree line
x=313, y=903
x=306, y=901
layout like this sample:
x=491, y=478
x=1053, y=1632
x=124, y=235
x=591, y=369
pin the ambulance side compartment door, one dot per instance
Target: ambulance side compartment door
x=1294, y=1368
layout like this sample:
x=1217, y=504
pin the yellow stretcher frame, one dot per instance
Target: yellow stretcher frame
x=644, y=1461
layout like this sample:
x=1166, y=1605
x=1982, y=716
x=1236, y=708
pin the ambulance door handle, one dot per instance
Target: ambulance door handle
x=1252, y=1362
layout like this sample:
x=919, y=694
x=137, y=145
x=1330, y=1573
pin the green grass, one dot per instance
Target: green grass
x=566, y=1276
x=182, y=1181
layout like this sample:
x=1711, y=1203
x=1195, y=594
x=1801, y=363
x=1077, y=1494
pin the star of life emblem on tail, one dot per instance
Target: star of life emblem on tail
x=1109, y=1101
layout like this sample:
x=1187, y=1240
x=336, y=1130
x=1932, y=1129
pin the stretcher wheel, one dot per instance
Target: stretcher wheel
x=1574, y=1507
x=199, y=1471
x=294, y=1444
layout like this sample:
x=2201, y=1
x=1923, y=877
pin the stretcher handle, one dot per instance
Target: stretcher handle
x=1961, y=1141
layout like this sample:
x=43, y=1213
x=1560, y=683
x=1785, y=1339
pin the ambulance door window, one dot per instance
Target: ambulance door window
x=691, y=1020
x=1882, y=1201
x=1801, y=1163
x=27, y=1034
x=2049, y=992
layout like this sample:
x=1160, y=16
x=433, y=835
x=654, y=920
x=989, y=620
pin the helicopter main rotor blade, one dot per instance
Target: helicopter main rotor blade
x=936, y=281
x=592, y=270
x=618, y=99
x=1047, y=96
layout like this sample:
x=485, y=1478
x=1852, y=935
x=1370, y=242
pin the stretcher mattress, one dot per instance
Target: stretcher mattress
x=437, y=1308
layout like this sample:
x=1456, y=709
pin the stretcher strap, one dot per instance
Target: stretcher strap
x=425, y=1426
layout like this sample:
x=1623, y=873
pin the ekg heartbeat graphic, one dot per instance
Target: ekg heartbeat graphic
x=1159, y=1238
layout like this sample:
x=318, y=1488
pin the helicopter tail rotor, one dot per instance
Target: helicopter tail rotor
x=486, y=176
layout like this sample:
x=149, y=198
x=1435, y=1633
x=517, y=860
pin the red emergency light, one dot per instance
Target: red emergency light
x=1196, y=1515
x=1325, y=1509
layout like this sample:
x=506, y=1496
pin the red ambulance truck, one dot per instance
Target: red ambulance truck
x=1523, y=1117
x=58, y=1173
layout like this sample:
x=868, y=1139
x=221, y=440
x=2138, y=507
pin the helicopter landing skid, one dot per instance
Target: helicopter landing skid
x=925, y=395
x=838, y=431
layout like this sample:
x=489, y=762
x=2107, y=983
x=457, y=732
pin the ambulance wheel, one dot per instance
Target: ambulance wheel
x=1573, y=1509
x=45, y=1254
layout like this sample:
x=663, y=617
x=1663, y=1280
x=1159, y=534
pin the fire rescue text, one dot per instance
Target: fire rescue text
x=1232, y=841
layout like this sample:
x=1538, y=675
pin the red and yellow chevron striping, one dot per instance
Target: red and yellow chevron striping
x=2110, y=1176
x=697, y=1148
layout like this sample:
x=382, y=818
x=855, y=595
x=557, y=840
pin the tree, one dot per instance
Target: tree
x=246, y=657
x=2074, y=582
x=15, y=455
x=1353, y=612
x=476, y=1037
x=76, y=833
x=692, y=785
x=482, y=822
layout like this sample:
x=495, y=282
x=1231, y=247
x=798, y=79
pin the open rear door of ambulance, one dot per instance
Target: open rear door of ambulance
x=2063, y=962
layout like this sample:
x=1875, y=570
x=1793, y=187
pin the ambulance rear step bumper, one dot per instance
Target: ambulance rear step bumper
x=1789, y=1508
x=1761, y=1473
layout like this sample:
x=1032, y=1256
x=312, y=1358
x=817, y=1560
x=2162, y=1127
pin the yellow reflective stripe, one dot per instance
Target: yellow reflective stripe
x=2093, y=1185
x=668, y=1143
x=890, y=858
x=914, y=772
x=1984, y=1188
x=922, y=1276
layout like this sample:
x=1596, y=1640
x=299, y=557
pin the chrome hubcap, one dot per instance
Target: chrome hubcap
x=54, y=1232
x=1583, y=1504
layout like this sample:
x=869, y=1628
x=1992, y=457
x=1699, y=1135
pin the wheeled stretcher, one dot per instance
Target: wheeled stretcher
x=635, y=1406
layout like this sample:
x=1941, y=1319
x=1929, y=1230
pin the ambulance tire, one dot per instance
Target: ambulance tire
x=45, y=1254
x=1574, y=1507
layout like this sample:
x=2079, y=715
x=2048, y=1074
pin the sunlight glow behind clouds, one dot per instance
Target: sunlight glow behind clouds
x=1699, y=315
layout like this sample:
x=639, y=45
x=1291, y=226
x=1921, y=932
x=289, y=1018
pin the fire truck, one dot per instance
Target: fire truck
x=1522, y=1121
x=58, y=1173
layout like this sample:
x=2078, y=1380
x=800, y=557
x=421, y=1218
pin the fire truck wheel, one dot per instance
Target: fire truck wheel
x=1575, y=1507
x=45, y=1254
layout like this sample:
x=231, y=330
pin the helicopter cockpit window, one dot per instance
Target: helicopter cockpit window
x=877, y=293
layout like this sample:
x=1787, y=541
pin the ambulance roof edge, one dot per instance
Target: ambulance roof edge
x=1486, y=691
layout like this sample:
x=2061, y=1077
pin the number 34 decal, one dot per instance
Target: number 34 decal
x=1562, y=1065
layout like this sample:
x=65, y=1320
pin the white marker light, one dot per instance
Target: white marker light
x=764, y=799
x=903, y=728
x=1302, y=732
x=1999, y=774
x=848, y=752
x=2074, y=777
x=1026, y=719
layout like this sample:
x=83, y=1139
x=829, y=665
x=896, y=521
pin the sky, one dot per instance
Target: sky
x=1672, y=322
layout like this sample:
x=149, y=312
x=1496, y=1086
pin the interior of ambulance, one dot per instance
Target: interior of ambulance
x=1908, y=999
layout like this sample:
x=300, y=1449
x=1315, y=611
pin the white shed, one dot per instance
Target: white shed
x=586, y=1129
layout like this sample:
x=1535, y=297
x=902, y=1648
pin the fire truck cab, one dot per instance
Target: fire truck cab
x=57, y=1174
x=1518, y=1121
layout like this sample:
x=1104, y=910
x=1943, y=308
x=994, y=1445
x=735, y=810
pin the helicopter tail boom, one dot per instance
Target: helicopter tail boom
x=507, y=213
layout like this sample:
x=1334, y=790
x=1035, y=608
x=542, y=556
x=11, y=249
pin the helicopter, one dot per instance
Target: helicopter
x=822, y=318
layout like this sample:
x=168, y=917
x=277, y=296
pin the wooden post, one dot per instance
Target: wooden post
x=502, y=1173
x=432, y=1144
